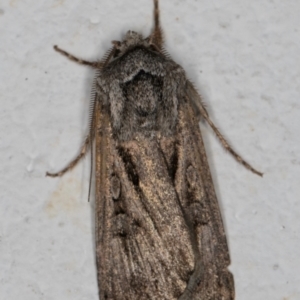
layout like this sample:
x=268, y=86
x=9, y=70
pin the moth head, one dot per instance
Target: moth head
x=130, y=40
x=133, y=39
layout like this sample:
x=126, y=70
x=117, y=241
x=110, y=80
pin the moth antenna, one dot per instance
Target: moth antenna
x=91, y=168
x=91, y=127
x=156, y=36
x=92, y=101
x=165, y=53
x=108, y=55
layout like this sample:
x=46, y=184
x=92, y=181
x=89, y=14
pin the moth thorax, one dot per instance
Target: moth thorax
x=143, y=93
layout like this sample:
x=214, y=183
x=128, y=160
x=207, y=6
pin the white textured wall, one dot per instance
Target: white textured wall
x=243, y=56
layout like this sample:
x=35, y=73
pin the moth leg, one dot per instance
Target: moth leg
x=93, y=64
x=156, y=36
x=229, y=149
x=223, y=141
x=73, y=163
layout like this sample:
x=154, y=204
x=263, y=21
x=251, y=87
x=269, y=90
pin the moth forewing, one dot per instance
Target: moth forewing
x=159, y=232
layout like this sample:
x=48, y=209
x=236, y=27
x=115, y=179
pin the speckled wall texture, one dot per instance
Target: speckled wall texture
x=243, y=56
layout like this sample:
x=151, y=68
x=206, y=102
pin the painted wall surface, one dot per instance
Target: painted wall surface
x=243, y=56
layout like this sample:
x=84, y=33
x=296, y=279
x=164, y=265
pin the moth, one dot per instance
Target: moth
x=159, y=233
